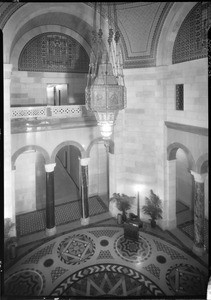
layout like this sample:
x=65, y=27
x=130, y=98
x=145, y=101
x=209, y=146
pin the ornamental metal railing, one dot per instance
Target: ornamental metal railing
x=63, y=111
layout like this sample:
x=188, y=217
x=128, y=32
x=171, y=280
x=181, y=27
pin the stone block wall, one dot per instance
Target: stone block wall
x=30, y=88
x=98, y=170
x=25, y=178
x=194, y=76
x=141, y=135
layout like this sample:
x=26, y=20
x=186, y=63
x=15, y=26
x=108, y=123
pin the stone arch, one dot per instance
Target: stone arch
x=100, y=139
x=171, y=154
x=67, y=143
x=202, y=163
x=19, y=21
x=30, y=147
x=44, y=29
x=171, y=26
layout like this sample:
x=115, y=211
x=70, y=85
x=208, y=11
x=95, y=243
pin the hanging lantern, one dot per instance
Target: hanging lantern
x=105, y=95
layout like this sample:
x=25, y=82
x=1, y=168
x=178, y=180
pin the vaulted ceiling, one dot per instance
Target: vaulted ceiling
x=140, y=24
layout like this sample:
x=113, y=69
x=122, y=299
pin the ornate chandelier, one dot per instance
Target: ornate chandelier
x=105, y=91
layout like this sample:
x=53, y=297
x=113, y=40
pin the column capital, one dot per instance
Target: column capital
x=85, y=161
x=50, y=167
x=198, y=177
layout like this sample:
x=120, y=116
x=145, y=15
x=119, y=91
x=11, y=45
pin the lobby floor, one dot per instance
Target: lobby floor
x=96, y=260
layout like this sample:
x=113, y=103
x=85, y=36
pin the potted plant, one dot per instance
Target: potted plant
x=123, y=203
x=153, y=208
x=10, y=242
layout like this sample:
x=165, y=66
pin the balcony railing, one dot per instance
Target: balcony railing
x=64, y=111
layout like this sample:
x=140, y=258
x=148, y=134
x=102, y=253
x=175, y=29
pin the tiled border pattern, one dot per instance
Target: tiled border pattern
x=41, y=253
x=114, y=268
x=64, y=213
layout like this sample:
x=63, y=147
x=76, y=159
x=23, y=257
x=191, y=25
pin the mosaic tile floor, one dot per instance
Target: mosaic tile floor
x=100, y=261
x=65, y=213
x=188, y=229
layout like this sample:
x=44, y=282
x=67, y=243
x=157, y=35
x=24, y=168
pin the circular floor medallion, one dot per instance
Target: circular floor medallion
x=104, y=243
x=132, y=250
x=76, y=249
x=186, y=279
x=48, y=262
x=23, y=283
x=161, y=259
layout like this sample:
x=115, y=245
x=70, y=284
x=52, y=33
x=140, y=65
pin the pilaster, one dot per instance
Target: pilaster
x=198, y=247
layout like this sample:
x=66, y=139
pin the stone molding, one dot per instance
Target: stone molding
x=187, y=128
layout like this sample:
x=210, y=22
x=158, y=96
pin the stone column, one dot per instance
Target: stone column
x=169, y=204
x=107, y=168
x=50, y=209
x=84, y=191
x=198, y=246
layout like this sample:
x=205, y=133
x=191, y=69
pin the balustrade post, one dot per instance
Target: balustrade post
x=50, y=208
x=84, y=191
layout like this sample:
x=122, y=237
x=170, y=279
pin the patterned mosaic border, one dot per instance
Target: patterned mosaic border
x=79, y=275
x=64, y=213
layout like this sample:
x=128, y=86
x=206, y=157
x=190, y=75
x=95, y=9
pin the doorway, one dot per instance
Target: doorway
x=184, y=189
x=57, y=94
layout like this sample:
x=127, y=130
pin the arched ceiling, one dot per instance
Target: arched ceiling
x=140, y=25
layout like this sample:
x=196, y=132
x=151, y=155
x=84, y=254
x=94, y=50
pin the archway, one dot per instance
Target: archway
x=178, y=155
x=184, y=188
x=98, y=152
x=28, y=164
x=67, y=174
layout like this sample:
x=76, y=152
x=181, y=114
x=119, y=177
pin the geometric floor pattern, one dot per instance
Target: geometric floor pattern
x=64, y=213
x=100, y=261
x=188, y=229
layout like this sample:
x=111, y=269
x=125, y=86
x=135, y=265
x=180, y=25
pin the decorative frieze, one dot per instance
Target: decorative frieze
x=46, y=111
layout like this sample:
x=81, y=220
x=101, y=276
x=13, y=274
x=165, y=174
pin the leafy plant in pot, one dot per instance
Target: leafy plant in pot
x=153, y=208
x=123, y=203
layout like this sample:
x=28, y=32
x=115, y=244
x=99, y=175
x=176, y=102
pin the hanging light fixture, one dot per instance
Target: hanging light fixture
x=105, y=91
